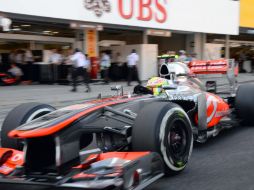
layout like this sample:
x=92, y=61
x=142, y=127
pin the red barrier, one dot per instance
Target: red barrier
x=94, y=67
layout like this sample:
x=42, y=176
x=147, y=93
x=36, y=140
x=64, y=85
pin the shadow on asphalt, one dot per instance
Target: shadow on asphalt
x=222, y=136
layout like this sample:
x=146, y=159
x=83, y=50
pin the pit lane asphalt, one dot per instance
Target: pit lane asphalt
x=225, y=162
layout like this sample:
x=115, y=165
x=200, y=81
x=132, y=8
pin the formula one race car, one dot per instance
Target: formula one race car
x=7, y=79
x=138, y=139
x=136, y=135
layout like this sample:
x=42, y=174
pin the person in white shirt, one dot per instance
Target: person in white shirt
x=79, y=66
x=105, y=64
x=132, y=61
x=55, y=57
x=55, y=60
x=29, y=56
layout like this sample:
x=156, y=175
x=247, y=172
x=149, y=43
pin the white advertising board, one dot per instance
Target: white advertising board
x=209, y=16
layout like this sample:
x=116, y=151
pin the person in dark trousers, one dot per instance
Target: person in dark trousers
x=86, y=72
x=19, y=60
x=55, y=60
x=79, y=62
x=132, y=60
x=29, y=60
x=105, y=64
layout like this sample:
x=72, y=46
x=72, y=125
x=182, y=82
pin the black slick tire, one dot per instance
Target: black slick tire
x=165, y=128
x=18, y=116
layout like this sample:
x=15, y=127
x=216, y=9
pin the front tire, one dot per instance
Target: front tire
x=165, y=128
x=20, y=115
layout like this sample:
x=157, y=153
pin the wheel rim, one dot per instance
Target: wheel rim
x=177, y=139
x=177, y=143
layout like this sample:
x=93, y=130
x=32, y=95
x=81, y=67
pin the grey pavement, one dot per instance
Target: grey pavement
x=55, y=95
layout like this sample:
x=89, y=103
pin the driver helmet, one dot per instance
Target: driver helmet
x=155, y=84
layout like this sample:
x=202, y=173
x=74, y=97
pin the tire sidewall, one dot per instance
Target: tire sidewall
x=171, y=116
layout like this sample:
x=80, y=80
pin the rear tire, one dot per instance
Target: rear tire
x=165, y=128
x=244, y=104
x=20, y=115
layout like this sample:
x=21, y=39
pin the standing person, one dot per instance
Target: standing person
x=55, y=60
x=88, y=62
x=29, y=59
x=87, y=66
x=78, y=63
x=105, y=63
x=119, y=60
x=12, y=57
x=242, y=59
x=19, y=60
x=118, y=70
x=132, y=60
x=182, y=56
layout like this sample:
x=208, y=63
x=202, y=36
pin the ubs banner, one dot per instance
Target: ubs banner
x=209, y=16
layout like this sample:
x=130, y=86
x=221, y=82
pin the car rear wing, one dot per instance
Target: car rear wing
x=220, y=66
x=226, y=67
